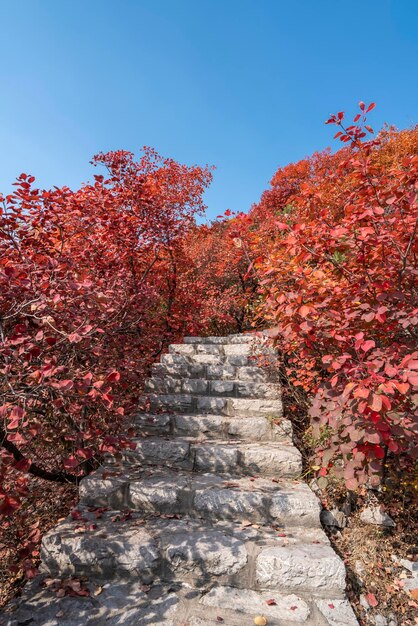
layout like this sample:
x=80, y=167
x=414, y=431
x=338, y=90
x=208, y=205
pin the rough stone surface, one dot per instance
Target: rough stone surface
x=76, y=550
x=205, y=520
x=412, y=566
x=337, y=612
x=333, y=518
x=252, y=406
x=253, y=603
x=119, y=602
x=209, y=553
x=374, y=515
x=314, y=568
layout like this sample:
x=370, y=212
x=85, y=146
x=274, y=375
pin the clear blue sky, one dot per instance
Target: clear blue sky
x=244, y=85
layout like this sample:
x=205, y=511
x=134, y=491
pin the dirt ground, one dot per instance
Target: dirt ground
x=376, y=580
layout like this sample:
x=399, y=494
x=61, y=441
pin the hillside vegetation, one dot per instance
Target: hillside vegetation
x=96, y=282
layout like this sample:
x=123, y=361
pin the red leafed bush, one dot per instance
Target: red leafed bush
x=216, y=270
x=337, y=235
x=88, y=298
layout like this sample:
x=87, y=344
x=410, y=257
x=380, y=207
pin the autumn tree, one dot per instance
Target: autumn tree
x=339, y=282
x=87, y=301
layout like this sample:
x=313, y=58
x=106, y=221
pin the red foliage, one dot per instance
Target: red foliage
x=95, y=283
x=88, y=298
x=339, y=282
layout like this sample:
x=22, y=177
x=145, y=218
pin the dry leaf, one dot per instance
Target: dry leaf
x=371, y=599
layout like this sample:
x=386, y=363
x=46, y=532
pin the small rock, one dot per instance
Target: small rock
x=411, y=565
x=411, y=583
x=380, y=620
x=364, y=603
x=333, y=518
x=359, y=570
x=374, y=515
x=315, y=487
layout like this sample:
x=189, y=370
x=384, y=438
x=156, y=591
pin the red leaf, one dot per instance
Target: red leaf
x=371, y=107
x=8, y=505
x=304, y=310
x=113, y=377
x=376, y=404
x=371, y=599
x=281, y=225
x=271, y=602
x=70, y=462
x=403, y=388
x=65, y=385
x=352, y=484
x=23, y=465
x=75, y=338
x=368, y=345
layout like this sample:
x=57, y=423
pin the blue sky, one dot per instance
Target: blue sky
x=244, y=85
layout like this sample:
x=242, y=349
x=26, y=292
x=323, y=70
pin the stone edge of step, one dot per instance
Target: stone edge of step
x=164, y=550
x=171, y=605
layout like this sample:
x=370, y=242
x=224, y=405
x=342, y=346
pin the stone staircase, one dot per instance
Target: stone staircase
x=205, y=522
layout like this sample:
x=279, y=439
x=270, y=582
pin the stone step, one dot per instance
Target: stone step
x=239, y=607
x=125, y=602
x=209, y=496
x=221, y=405
x=228, y=339
x=111, y=544
x=220, y=387
x=201, y=523
x=239, y=360
x=250, y=373
x=215, y=427
x=220, y=456
x=221, y=350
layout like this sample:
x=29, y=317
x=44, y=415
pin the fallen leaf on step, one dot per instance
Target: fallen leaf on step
x=260, y=620
x=271, y=602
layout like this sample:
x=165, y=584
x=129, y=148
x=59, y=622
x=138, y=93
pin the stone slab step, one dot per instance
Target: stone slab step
x=187, y=550
x=215, y=427
x=220, y=387
x=189, y=403
x=124, y=602
x=220, y=456
x=207, y=496
x=228, y=339
x=237, y=360
x=222, y=350
x=250, y=373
